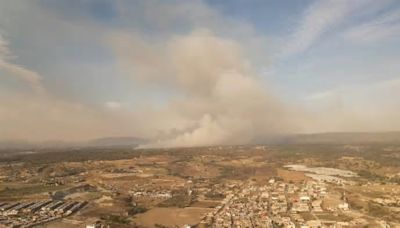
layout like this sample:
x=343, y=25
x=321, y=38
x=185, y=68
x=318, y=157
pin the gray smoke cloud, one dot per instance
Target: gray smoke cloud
x=222, y=101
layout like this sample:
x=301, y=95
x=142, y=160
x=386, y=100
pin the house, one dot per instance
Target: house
x=344, y=206
x=305, y=199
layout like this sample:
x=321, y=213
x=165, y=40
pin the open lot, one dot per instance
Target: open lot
x=171, y=216
x=292, y=176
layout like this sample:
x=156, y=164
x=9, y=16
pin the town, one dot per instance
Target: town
x=31, y=214
x=283, y=205
x=221, y=186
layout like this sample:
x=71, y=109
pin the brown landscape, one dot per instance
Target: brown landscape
x=199, y=114
x=192, y=186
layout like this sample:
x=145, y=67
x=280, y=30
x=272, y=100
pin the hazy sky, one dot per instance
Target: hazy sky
x=197, y=72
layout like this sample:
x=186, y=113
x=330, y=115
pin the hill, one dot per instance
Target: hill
x=117, y=141
x=344, y=138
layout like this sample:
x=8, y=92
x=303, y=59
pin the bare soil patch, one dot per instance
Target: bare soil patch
x=171, y=216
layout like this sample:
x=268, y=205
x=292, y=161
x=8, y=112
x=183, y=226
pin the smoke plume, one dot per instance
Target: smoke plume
x=221, y=101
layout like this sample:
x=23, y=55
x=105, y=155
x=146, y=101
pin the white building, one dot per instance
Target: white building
x=344, y=206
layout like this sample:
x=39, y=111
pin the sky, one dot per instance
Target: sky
x=190, y=73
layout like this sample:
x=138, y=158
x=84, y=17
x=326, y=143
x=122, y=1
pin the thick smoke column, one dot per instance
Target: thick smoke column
x=222, y=102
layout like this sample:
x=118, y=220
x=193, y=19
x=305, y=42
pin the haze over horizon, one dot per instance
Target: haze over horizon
x=192, y=73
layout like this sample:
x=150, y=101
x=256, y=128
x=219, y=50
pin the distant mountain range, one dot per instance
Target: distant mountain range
x=117, y=141
x=343, y=138
x=318, y=138
x=100, y=142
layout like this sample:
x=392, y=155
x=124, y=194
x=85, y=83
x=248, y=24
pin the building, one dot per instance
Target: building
x=343, y=206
